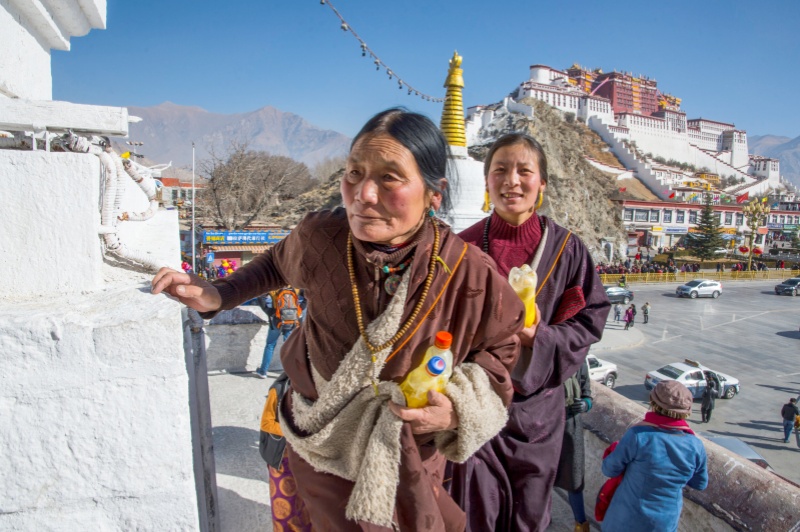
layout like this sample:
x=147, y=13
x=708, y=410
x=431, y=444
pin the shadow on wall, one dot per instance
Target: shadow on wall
x=229, y=337
x=241, y=457
x=239, y=513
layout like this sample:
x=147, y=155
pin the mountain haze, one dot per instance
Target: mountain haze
x=786, y=150
x=168, y=130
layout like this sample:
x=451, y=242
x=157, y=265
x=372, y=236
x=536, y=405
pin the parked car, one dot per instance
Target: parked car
x=617, y=294
x=602, y=371
x=692, y=374
x=700, y=288
x=720, y=251
x=789, y=287
x=737, y=446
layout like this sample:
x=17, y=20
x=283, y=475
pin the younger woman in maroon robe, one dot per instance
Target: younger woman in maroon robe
x=507, y=484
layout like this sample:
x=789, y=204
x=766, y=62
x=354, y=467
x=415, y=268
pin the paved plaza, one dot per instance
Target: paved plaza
x=748, y=333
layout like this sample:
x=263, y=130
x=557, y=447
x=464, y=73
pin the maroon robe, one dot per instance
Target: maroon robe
x=473, y=302
x=507, y=484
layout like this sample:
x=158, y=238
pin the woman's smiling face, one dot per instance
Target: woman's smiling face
x=514, y=183
x=384, y=192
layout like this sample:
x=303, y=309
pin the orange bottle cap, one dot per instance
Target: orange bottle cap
x=443, y=340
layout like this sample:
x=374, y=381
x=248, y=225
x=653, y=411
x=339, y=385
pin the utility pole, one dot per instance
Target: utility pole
x=194, y=257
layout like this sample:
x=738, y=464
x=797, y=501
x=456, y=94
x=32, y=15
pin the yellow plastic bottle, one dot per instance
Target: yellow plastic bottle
x=523, y=280
x=432, y=374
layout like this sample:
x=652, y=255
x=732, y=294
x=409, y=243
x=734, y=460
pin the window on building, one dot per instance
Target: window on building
x=781, y=219
x=174, y=195
x=667, y=217
x=679, y=217
x=739, y=219
x=627, y=215
x=655, y=215
x=728, y=218
x=692, y=217
x=797, y=219
x=641, y=216
x=774, y=218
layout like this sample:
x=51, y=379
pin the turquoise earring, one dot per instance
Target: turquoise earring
x=431, y=212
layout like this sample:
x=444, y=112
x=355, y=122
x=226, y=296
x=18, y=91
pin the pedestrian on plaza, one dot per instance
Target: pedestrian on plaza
x=285, y=309
x=628, y=317
x=710, y=393
x=570, y=474
x=658, y=457
x=289, y=512
x=384, y=275
x=617, y=312
x=646, y=312
x=789, y=412
x=633, y=314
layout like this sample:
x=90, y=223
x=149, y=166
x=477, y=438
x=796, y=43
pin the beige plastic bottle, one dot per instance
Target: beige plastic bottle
x=432, y=374
x=523, y=280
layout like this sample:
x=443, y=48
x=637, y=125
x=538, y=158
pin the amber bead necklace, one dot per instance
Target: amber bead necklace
x=373, y=349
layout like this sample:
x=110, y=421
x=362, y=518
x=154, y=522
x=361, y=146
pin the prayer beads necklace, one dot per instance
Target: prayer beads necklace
x=373, y=349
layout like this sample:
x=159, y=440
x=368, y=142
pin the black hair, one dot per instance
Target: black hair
x=512, y=139
x=419, y=135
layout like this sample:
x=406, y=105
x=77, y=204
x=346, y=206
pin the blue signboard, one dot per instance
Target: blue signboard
x=209, y=257
x=222, y=238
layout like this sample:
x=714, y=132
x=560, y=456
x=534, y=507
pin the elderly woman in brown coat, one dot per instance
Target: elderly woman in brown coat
x=382, y=276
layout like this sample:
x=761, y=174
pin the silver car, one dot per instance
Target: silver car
x=700, y=288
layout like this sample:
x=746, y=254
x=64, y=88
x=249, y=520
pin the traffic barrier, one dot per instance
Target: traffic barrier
x=655, y=278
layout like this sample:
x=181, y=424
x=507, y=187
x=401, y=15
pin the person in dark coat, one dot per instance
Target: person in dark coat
x=709, y=395
x=569, y=477
x=507, y=484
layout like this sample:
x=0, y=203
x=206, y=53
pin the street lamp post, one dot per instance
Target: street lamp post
x=194, y=257
x=755, y=212
x=133, y=145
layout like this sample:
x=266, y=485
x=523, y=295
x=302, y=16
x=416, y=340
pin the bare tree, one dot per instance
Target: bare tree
x=324, y=169
x=243, y=183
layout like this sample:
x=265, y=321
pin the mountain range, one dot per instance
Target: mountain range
x=785, y=149
x=168, y=130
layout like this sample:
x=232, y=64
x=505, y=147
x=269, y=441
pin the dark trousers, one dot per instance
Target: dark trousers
x=646, y=318
x=705, y=414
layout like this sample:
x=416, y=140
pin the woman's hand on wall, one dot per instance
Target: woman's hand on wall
x=191, y=290
x=438, y=415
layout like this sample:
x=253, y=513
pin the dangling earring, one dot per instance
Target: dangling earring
x=431, y=212
x=539, y=201
x=486, y=203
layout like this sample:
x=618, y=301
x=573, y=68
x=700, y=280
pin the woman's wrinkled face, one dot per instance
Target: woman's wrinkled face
x=383, y=191
x=514, y=183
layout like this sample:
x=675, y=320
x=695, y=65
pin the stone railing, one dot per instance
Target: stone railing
x=739, y=496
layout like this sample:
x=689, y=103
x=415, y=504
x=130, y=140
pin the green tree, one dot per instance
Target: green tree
x=707, y=238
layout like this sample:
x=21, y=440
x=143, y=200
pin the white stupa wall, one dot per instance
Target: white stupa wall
x=95, y=430
x=468, y=192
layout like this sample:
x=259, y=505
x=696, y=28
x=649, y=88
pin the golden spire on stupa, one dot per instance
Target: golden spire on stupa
x=453, y=113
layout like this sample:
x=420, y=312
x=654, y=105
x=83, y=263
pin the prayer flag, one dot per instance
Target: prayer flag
x=672, y=195
x=764, y=199
x=623, y=189
x=126, y=155
x=742, y=198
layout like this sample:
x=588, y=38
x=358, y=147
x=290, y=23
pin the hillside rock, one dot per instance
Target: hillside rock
x=578, y=196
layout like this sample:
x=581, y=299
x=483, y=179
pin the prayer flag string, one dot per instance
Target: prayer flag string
x=379, y=64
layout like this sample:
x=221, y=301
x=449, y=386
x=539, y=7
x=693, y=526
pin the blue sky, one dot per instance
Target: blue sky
x=733, y=61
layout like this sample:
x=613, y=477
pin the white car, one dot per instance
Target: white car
x=602, y=371
x=700, y=288
x=693, y=375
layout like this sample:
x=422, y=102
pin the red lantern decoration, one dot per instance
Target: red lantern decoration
x=757, y=251
x=744, y=249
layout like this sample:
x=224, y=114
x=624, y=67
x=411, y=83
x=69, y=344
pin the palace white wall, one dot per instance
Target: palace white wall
x=468, y=194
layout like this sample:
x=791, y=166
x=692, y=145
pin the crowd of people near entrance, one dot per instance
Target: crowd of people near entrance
x=383, y=277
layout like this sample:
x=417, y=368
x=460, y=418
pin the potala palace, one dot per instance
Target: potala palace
x=645, y=129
